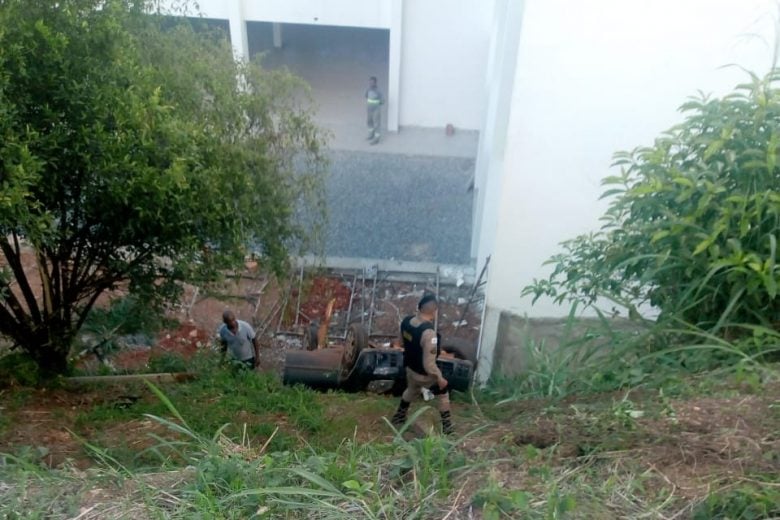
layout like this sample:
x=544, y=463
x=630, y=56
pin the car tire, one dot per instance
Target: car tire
x=355, y=342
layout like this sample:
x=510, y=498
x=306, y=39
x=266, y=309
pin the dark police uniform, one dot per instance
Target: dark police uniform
x=421, y=348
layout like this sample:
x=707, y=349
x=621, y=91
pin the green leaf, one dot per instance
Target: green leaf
x=613, y=180
x=519, y=499
x=713, y=148
x=704, y=244
x=658, y=235
x=611, y=193
x=354, y=485
x=644, y=189
x=683, y=181
x=770, y=282
x=755, y=164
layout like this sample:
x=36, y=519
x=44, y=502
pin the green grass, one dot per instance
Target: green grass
x=254, y=406
x=289, y=452
x=12, y=399
x=222, y=476
x=250, y=404
x=746, y=502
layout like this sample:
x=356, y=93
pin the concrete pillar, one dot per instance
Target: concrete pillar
x=277, y=27
x=502, y=65
x=238, y=32
x=491, y=169
x=487, y=132
x=488, y=336
x=394, y=73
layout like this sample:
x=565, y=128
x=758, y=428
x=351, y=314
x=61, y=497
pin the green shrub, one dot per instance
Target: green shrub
x=126, y=315
x=18, y=369
x=497, y=502
x=692, y=224
x=167, y=363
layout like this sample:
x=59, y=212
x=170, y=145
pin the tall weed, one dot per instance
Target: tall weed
x=603, y=355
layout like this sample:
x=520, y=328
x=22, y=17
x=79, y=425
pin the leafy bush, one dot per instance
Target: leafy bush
x=127, y=315
x=692, y=224
x=167, y=363
x=496, y=502
x=18, y=368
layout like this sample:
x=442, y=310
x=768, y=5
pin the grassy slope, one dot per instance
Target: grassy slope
x=294, y=453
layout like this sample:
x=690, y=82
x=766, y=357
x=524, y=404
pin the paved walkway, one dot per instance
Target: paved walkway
x=399, y=207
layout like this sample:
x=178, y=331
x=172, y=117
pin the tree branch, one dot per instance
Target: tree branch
x=57, y=265
x=14, y=261
x=10, y=326
x=83, y=312
x=15, y=306
x=46, y=289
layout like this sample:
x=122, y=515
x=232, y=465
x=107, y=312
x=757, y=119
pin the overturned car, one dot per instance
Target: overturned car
x=357, y=362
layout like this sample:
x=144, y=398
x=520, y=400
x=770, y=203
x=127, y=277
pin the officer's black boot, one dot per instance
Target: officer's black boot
x=399, y=418
x=446, y=423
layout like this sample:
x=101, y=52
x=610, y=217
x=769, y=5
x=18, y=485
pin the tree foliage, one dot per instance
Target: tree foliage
x=135, y=151
x=693, y=221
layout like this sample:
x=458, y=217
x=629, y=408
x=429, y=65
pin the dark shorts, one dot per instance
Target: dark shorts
x=249, y=363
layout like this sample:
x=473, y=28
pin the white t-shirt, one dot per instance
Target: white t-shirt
x=239, y=344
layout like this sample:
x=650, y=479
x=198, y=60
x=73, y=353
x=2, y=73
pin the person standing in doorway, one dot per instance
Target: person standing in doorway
x=423, y=376
x=374, y=102
x=239, y=338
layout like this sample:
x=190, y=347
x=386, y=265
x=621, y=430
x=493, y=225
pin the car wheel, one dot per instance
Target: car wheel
x=356, y=341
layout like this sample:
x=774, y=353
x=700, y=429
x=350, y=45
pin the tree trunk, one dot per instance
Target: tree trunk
x=52, y=361
x=50, y=348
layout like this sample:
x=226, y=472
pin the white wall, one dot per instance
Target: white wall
x=207, y=8
x=349, y=13
x=445, y=52
x=498, y=89
x=439, y=48
x=592, y=78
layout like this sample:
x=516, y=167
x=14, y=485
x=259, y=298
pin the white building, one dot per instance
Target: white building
x=431, y=43
x=554, y=88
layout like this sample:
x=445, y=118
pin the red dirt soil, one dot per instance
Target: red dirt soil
x=184, y=341
x=322, y=290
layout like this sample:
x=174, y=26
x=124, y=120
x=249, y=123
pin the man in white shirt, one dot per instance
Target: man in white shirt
x=374, y=102
x=238, y=337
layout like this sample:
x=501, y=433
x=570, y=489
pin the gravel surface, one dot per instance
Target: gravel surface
x=402, y=207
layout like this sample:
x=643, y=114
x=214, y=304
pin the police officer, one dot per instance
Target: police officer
x=421, y=348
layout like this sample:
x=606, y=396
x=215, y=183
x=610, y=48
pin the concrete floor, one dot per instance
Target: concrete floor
x=399, y=207
x=337, y=62
x=403, y=199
